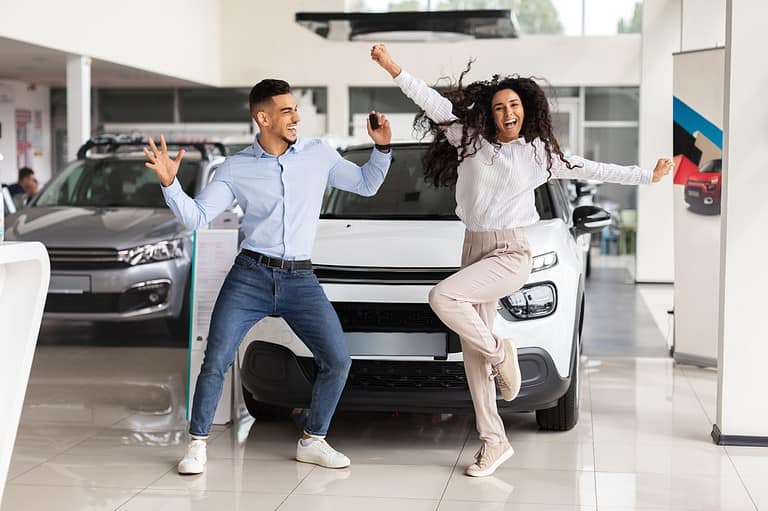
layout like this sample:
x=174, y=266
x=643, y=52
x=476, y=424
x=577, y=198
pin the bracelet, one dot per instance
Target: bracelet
x=383, y=147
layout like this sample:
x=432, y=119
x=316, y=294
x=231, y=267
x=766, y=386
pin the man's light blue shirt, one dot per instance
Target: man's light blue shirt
x=281, y=196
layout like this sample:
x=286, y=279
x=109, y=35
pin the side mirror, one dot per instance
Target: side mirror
x=590, y=219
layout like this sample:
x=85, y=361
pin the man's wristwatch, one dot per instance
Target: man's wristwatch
x=384, y=148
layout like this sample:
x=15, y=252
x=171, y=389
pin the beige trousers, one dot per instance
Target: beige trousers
x=494, y=264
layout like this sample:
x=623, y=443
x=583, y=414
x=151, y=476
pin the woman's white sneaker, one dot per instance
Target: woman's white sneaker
x=488, y=458
x=195, y=459
x=318, y=452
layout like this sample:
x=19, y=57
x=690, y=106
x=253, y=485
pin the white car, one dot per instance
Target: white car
x=377, y=258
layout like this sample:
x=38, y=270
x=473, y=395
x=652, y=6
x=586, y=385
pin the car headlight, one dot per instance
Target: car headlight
x=161, y=251
x=531, y=302
x=544, y=261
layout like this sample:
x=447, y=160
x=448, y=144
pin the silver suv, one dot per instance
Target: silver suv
x=117, y=252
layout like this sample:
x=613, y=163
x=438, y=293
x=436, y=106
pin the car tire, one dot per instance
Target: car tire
x=259, y=410
x=565, y=415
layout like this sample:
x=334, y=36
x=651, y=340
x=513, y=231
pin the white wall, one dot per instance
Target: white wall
x=744, y=280
x=254, y=49
x=661, y=37
x=17, y=96
x=173, y=37
x=703, y=24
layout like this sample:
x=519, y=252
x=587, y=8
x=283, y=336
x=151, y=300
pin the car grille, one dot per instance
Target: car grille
x=392, y=375
x=84, y=259
x=374, y=275
x=388, y=317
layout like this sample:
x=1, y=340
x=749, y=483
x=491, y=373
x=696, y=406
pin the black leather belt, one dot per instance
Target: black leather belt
x=274, y=262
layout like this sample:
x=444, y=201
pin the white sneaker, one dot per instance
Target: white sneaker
x=489, y=458
x=194, y=461
x=320, y=453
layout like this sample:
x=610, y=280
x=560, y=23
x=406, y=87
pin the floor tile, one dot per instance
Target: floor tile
x=752, y=466
x=239, y=475
x=682, y=458
x=339, y=503
x=96, y=471
x=397, y=481
x=723, y=492
x=183, y=500
x=525, y=486
x=463, y=505
x=63, y=498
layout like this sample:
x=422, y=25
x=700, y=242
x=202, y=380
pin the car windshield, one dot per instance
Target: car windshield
x=712, y=166
x=405, y=195
x=112, y=183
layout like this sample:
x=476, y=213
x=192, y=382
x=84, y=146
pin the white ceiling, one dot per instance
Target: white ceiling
x=39, y=65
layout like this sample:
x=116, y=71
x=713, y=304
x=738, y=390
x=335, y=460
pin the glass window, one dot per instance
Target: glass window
x=613, y=145
x=404, y=194
x=112, y=183
x=612, y=104
x=611, y=17
x=214, y=105
x=135, y=105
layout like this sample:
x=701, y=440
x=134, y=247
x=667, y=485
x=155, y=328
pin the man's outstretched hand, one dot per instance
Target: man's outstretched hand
x=164, y=166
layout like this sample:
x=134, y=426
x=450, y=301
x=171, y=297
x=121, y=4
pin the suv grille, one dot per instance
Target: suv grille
x=388, y=317
x=390, y=276
x=392, y=375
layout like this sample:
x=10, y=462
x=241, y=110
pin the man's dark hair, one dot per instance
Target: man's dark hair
x=25, y=172
x=265, y=90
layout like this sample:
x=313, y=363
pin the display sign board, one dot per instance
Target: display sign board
x=698, y=143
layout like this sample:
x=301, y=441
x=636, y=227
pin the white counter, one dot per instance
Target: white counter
x=24, y=275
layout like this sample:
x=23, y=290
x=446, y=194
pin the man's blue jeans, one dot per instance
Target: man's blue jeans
x=251, y=292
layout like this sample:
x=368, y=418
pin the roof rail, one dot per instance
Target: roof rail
x=111, y=142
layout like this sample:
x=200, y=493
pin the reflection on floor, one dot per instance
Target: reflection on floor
x=103, y=427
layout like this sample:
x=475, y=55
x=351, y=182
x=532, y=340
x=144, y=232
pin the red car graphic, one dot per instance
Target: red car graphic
x=702, y=189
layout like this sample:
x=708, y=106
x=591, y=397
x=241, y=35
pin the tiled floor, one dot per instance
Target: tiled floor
x=103, y=428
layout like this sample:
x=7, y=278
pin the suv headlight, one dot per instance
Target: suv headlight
x=531, y=302
x=543, y=261
x=161, y=251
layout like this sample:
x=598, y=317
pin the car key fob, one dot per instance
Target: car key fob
x=374, y=120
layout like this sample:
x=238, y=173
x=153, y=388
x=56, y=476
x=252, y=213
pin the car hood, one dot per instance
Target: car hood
x=117, y=228
x=407, y=243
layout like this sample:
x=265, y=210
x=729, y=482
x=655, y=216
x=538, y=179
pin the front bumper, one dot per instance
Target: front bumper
x=274, y=375
x=120, y=294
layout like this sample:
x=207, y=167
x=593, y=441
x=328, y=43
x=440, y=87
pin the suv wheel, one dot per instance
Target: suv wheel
x=259, y=410
x=565, y=415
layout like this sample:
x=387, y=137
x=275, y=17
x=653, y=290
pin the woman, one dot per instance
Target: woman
x=493, y=141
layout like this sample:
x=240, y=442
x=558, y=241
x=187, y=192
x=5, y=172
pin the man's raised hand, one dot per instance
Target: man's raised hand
x=164, y=166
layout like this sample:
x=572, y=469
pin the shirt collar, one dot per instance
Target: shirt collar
x=259, y=151
x=519, y=140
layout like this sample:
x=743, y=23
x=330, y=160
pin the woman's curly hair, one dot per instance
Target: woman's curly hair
x=472, y=107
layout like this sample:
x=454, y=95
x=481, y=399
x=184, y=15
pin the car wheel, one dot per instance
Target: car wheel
x=259, y=410
x=565, y=415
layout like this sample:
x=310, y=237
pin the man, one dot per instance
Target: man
x=24, y=183
x=279, y=182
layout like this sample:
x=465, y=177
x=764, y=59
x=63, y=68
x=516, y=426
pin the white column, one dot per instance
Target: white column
x=742, y=416
x=78, y=103
x=338, y=109
x=661, y=37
